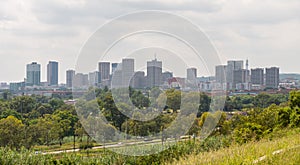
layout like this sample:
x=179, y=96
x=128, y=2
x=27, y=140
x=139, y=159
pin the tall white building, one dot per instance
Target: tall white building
x=127, y=71
x=33, y=74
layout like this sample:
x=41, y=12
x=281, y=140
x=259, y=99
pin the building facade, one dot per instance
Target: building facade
x=70, y=74
x=127, y=71
x=52, y=73
x=104, y=71
x=272, y=77
x=257, y=76
x=154, y=73
x=33, y=74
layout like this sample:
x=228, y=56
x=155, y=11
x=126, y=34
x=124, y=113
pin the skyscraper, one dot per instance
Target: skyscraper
x=52, y=73
x=257, y=76
x=272, y=77
x=94, y=78
x=33, y=74
x=104, y=70
x=154, y=73
x=70, y=77
x=127, y=71
x=191, y=74
x=221, y=73
x=114, y=67
x=138, y=80
x=231, y=67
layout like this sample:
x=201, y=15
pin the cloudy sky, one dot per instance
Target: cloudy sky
x=264, y=31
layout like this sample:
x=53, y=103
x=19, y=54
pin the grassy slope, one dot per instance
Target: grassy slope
x=248, y=153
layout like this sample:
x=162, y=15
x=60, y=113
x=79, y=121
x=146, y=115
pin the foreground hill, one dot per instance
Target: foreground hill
x=280, y=150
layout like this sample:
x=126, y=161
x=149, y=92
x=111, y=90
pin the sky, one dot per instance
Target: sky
x=264, y=31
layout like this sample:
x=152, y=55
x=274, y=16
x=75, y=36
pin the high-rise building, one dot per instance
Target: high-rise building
x=191, y=74
x=138, y=81
x=116, y=81
x=70, y=74
x=240, y=76
x=33, y=74
x=94, y=78
x=81, y=80
x=231, y=67
x=154, y=73
x=104, y=70
x=221, y=73
x=257, y=76
x=114, y=67
x=272, y=77
x=127, y=71
x=52, y=73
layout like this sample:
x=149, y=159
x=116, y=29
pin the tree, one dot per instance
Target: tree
x=12, y=132
x=204, y=106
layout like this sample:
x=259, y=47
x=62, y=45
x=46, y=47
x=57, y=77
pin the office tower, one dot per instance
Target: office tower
x=138, y=81
x=114, y=67
x=94, y=78
x=257, y=76
x=127, y=71
x=191, y=74
x=70, y=74
x=272, y=77
x=221, y=73
x=52, y=73
x=116, y=81
x=104, y=70
x=33, y=74
x=231, y=67
x=166, y=76
x=81, y=80
x=240, y=76
x=154, y=73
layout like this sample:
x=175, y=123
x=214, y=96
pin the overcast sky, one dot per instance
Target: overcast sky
x=264, y=31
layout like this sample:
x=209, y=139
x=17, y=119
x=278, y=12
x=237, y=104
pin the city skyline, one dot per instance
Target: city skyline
x=269, y=37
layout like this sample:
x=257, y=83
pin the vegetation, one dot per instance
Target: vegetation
x=29, y=122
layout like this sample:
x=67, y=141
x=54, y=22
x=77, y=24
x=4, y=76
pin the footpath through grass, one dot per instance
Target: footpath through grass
x=252, y=151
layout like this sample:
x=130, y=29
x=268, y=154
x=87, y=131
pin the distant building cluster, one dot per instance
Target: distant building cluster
x=234, y=76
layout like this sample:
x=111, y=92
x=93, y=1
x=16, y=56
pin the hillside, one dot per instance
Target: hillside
x=284, y=150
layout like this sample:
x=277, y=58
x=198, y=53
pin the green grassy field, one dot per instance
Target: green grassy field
x=250, y=153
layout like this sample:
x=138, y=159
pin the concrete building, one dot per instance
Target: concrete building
x=33, y=74
x=257, y=76
x=139, y=80
x=94, y=78
x=127, y=71
x=104, y=70
x=231, y=67
x=114, y=67
x=81, y=80
x=272, y=77
x=154, y=73
x=52, y=73
x=70, y=74
x=221, y=74
x=191, y=74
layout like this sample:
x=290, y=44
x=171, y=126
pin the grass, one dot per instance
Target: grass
x=248, y=153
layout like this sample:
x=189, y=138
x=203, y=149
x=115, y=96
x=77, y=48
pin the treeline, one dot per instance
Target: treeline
x=40, y=120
